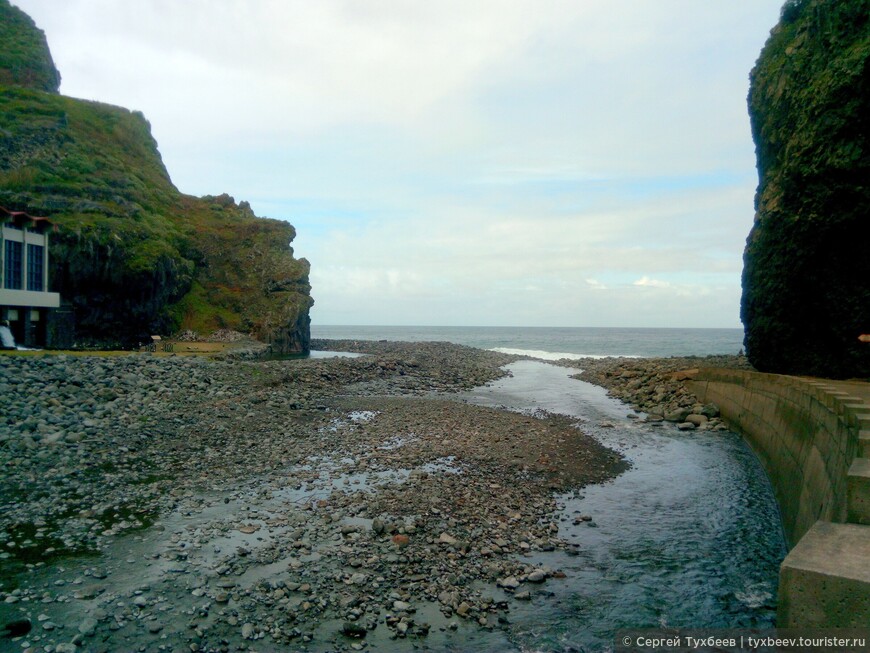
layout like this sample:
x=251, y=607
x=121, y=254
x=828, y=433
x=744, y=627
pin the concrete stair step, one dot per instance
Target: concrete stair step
x=864, y=443
x=824, y=581
x=858, y=492
x=862, y=417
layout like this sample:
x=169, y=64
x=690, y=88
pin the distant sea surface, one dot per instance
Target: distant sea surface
x=551, y=343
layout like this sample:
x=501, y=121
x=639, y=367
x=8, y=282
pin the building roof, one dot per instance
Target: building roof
x=22, y=219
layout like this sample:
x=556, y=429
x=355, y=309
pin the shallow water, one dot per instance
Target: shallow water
x=690, y=536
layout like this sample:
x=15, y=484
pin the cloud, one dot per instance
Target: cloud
x=595, y=284
x=646, y=282
x=488, y=162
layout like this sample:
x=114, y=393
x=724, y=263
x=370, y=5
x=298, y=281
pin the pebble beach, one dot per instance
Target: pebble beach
x=191, y=504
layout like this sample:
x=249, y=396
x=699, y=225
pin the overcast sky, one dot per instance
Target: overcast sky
x=478, y=162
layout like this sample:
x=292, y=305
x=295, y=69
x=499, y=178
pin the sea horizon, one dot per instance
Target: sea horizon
x=556, y=342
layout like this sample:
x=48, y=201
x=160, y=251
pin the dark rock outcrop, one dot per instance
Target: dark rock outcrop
x=132, y=256
x=806, y=279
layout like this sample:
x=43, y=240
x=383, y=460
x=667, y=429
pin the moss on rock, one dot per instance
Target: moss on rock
x=25, y=59
x=806, y=279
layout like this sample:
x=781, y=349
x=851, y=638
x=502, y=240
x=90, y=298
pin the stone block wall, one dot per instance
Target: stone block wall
x=805, y=434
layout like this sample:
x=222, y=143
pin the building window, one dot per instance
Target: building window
x=35, y=263
x=12, y=269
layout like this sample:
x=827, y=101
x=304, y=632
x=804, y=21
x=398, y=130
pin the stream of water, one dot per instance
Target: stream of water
x=689, y=537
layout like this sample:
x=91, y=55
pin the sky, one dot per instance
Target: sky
x=473, y=162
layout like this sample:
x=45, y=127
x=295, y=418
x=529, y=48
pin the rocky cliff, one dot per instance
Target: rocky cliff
x=806, y=278
x=132, y=254
x=25, y=59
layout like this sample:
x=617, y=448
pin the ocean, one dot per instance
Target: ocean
x=551, y=343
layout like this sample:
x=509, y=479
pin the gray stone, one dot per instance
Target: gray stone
x=509, y=583
x=696, y=419
x=88, y=626
x=710, y=410
x=448, y=598
x=537, y=576
x=446, y=538
x=353, y=629
x=678, y=415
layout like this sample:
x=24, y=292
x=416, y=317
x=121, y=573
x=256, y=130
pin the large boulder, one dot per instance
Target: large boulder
x=806, y=279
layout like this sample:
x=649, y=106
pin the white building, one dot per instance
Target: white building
x=25, y=300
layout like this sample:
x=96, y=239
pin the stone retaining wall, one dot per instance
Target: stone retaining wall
x=812, y=438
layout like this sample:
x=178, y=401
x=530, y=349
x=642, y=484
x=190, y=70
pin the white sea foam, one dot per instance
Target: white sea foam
x=552, y=355
x=754, y=596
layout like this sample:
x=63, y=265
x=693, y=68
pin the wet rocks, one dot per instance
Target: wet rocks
x=281, y=511
x=88, y=626
x=537, y=576
x=509, y=583
x=421, y=367
x=655, y=386
x=696, y=419
x=353, y=629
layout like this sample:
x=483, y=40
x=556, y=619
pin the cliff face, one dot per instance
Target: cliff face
x=24, y=56
x=806, y=278
x=132, y=254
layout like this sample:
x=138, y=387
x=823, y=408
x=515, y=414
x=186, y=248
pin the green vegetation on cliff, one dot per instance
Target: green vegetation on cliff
x=806, y=280
x=24, y=56
x=132, y=254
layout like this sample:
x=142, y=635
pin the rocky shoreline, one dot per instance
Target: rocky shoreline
x=181, y=503
x=655, y=386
